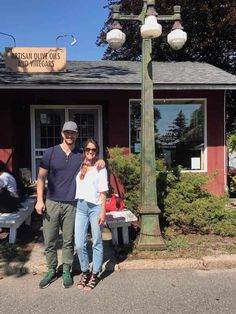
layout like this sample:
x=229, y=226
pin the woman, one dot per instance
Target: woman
x=91, y=187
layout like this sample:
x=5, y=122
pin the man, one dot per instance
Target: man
x=60, y=165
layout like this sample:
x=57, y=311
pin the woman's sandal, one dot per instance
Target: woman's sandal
x=84, y=279
x=94, y=280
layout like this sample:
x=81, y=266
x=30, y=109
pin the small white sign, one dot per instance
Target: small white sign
x=232, y=160
x=195, y=163
x=137, y=147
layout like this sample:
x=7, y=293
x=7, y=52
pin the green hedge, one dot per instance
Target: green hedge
x=192, y=208
x=184, y=201
x=127, y=168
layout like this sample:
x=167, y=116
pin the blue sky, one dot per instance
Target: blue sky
x=38, y=23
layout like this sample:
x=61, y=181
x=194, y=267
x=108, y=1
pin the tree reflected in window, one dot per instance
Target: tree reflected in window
x=179, y=132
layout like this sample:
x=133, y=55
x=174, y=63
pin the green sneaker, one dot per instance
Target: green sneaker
x=67, y=279
x=47, y=279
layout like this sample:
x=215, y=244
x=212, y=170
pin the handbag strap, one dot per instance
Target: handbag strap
x=116, y=183
x=117, y=186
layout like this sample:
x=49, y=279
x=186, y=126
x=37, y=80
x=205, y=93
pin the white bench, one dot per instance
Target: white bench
x=120, y=219
x=15, y=219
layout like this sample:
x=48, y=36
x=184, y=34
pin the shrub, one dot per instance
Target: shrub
x=127, y=168
x=185, y=203
x=191, y=208
x=232, y=184
x=231, y=142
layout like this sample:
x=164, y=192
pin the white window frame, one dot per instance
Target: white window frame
x=172, y=100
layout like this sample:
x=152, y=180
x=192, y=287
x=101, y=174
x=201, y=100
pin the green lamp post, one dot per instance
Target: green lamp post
x=150, y=235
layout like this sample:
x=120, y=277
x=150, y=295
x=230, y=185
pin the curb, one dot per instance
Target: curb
x=204, y=263
x=38, y=266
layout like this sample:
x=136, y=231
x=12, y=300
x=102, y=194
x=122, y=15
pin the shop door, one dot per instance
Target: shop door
x=46, y=124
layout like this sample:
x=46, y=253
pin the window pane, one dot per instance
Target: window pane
x=48, y=124
x=87, y=124
x=179, y=132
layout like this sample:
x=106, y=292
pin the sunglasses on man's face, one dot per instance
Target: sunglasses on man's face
x=87, y=149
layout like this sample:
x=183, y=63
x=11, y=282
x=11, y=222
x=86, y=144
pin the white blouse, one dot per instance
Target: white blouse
x=94, y=182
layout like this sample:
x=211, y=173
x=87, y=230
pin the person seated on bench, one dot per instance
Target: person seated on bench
x=9, y=198
x=7, y=181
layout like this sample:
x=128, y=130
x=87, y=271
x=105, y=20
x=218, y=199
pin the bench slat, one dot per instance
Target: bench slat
x=15, y=219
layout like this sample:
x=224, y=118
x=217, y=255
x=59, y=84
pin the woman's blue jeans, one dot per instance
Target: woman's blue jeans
x=87, y=212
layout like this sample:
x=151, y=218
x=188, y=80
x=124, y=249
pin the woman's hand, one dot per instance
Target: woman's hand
x=102, y=217
x=100, y=164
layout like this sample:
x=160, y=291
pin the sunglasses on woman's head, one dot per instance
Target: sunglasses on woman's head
x=87, y=149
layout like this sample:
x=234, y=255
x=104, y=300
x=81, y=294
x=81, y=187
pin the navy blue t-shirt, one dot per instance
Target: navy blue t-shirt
x=62, y=171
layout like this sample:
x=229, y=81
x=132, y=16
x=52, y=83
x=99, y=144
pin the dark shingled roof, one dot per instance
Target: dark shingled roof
x=122, y=75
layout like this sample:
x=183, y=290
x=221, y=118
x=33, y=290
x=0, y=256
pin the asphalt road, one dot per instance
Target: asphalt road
x=144, y=291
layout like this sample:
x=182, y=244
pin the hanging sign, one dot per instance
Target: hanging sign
x=30, y=60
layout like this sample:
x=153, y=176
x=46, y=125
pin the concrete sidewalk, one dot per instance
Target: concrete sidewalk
x=35, y=262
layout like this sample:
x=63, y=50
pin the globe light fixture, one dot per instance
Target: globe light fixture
x=177, y=37
x=151, y=28
x=116, y=37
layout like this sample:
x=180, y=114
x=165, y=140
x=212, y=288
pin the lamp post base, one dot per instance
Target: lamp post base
x=150, y=238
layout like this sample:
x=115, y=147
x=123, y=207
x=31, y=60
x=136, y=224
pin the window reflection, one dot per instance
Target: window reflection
x=87, y=125
x=179, y=132
x=48, y=124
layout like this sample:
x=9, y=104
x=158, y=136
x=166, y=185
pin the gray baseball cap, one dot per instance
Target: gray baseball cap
x=70, y=126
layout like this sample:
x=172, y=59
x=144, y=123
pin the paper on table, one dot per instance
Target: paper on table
x=124, y=215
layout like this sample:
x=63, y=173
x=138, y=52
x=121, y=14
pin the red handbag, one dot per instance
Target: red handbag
x=115, y=203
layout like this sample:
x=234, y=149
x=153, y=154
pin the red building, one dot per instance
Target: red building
x=103, y=97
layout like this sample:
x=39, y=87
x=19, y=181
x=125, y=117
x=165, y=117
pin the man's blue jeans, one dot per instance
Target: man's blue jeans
x=87, y=212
